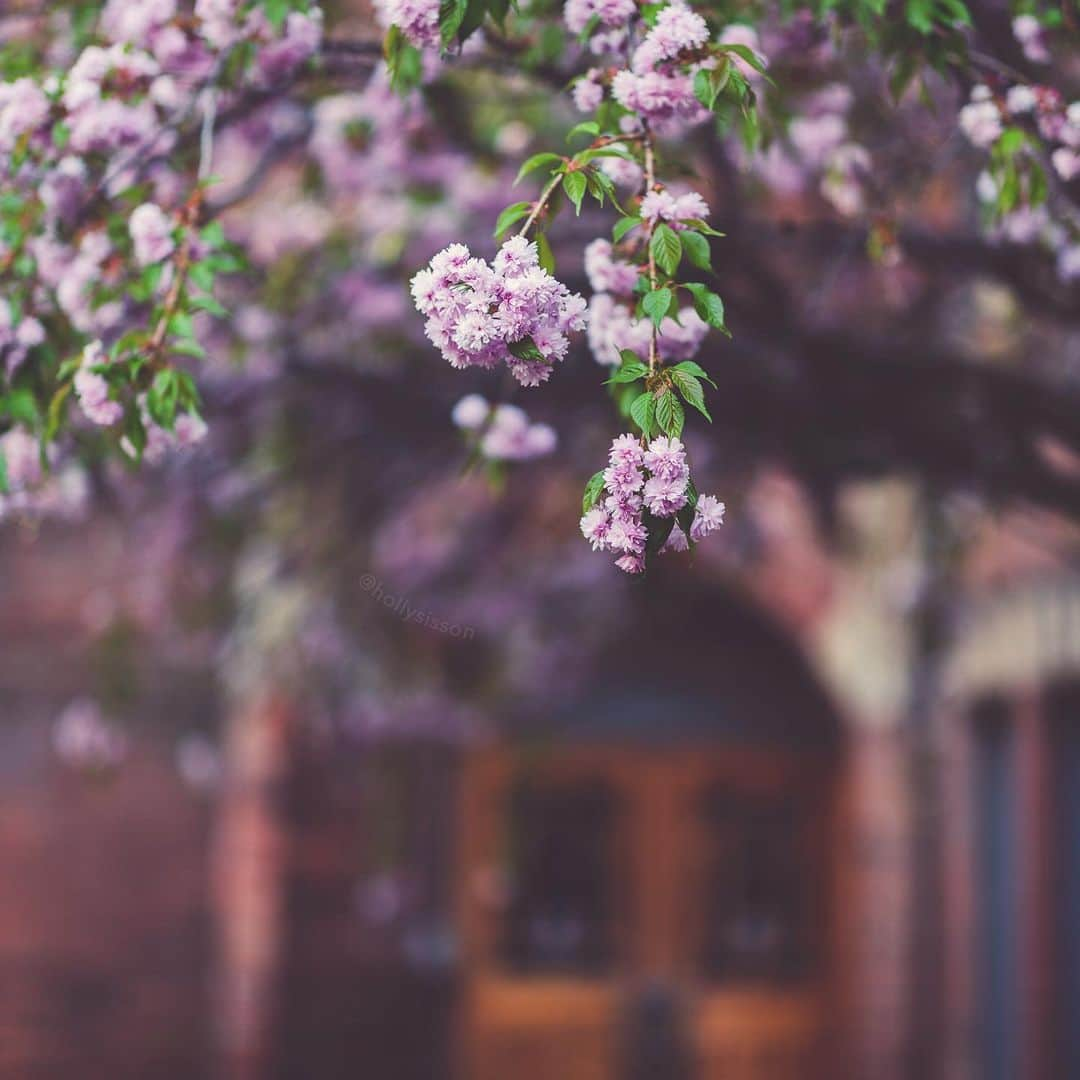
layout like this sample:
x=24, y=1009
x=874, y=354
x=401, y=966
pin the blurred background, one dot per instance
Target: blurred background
x=321, y=756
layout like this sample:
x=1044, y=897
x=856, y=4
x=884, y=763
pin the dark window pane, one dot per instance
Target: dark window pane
x=759, y=894
x=560, y=916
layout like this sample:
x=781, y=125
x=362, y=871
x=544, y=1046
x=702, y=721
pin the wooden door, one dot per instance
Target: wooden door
x=590, y=878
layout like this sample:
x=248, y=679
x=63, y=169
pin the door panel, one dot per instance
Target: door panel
x=706, y=854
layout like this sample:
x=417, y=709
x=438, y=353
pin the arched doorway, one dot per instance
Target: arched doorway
x=647, y=877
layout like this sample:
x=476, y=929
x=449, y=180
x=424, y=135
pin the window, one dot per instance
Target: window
x=560, y=918
x=759, y=888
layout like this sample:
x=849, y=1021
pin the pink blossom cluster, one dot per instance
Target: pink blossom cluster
x=613, y=15
x=984, y=118
x=92, y=388
x=1028, y=31
x=505, y=431
x=83, y=739
x=418, y=20
x=361, y=140
x=118, y=103
x=18, y=334
x=189, y=429
x=659, y=83
x=819, y=149
x=639, y=480
x=612, y=323
x=511, y=312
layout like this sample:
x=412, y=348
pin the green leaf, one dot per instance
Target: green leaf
x=747, y=55
x=709, y=83
x=162, y=397
x=587, y=30
x=20, y=405
x=209, y=305
x=643, y=413
x=630, y=370
x=575, y=184
x=213, y=235
x=697, y=249
x=592, y=491
x=702, y=227
x=514, y=212
x=666, y=248
x=201, y=275
x=525, y=349
x=691, y=367
x=690, y=387
x=655, y=304
x=623, y=226
x=586, y=127
x=5, y=487
x=135, y=431
x=276, y=11
x=537, y=161
x=181, y=325
x=187, y=347
x=707, y=304
x=451, y=16
x=669, y=414
x=57, y=410
x=547, y=256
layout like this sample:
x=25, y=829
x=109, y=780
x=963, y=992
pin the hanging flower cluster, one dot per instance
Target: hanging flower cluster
x=511, y=312
x=503, y=432
x=103, y=234
x=1020, y=126
x=644, y=503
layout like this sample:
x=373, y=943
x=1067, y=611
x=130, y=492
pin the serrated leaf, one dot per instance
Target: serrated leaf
x=546, y=255
x=451, y=16
x=747, y=55
x=696, y=249
x=707, y=304
x=690, y=387
x=623, y=226
x=691, y=367
x=655, y=304
x=537, y=161
x=666, y=248
x=575, y=184
x=643, y=413
x=586, y=127
x=592, y=491
x=514, y=212
x=669, y=414
x=702, y=227
x=629, y=371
